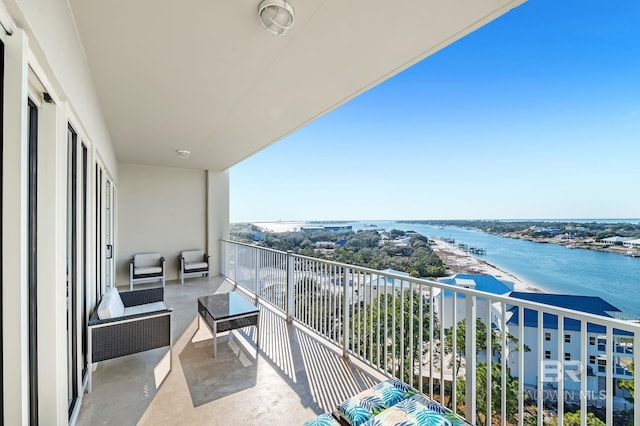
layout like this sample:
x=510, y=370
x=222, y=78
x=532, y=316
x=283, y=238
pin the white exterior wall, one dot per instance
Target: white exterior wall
x=531, y=360
x=161, y=210
x=53, y=42
x=217, y=215
x=461, y=309
x=14, y=233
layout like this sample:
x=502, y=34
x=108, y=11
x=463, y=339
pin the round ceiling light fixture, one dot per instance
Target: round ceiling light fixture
x=276, y=16
x=183, y=153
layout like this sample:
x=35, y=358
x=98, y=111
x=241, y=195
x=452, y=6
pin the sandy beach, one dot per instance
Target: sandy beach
x=459, y=261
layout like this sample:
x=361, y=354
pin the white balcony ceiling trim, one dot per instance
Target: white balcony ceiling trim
x=205, y=76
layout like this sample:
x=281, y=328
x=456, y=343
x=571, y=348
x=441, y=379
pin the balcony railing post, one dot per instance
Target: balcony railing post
x=257, y=272
x=235, y=270
x=636, y=383
x=345, y=313
x=470, y=355
x=290, y=285
x=224, y=266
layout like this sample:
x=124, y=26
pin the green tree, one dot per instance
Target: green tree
x=392, y=329
x=361, y=239
x=573, y=419
x=318, y=308
x=481, y=340
x=395, y=233
x=628, y=385
x=496, y=393
x=481, y=370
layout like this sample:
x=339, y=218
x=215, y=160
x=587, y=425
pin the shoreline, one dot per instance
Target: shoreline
x=575, y=244
x=457, y=261
x=454, y=259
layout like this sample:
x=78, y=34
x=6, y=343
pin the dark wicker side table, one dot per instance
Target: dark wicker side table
x=223, y=312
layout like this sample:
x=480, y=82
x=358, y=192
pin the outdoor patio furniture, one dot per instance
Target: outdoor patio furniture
x=228, y=311
x=391, y=402
x=127, y=323
x=146, y=267
x=193, y=262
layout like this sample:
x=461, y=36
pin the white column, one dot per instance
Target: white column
x=217, y=215
x=14, y=233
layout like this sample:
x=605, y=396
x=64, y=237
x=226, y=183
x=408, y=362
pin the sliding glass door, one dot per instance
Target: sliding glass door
x=108, y=234
x=32, y=260
x=72, y=269
x=105, y=202
x=1, y=221
x=78, y=303
x=84, y=281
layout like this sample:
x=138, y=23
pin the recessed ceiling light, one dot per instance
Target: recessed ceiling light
x=183, y=153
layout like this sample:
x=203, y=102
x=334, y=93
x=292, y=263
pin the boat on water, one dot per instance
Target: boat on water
x=632, y=253
x=477, y=250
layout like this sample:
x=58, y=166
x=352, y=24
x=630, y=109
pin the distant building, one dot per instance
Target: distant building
x=402, y=242
x=325, y=245
x=341, y=243
x=486, y=283
x=615, y=240
x=549, y=230
x=632, y=243
x=596, y=341
x=330, y=228
x=338, y=228
x=311, y=229
x=376, y=285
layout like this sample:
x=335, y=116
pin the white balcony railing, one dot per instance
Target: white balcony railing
x=417, y=330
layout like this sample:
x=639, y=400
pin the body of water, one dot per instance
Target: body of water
x=550, y=267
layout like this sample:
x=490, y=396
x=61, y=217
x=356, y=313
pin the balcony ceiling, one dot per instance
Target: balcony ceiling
x=207, y=77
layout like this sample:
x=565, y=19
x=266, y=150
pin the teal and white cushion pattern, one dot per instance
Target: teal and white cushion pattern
x=371, y=402
x=325, y=419
x=416, y=411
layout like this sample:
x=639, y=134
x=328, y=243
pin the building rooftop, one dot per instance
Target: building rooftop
x=588, y=304
x=486, y=283
x=616, y=239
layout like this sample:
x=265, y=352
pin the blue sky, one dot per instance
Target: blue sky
x=535, y=115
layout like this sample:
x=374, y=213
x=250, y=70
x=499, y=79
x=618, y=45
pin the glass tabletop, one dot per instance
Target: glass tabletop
x=227, y=305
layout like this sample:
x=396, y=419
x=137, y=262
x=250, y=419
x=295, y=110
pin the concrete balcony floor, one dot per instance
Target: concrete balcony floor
x=292, y=377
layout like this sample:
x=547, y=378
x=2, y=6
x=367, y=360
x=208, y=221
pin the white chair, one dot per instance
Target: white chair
x=146, y=267
x=193, y=262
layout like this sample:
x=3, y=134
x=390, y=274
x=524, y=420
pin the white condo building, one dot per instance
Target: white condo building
x=565, y=349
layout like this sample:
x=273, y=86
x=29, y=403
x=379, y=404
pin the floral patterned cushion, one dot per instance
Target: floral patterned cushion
x=325, y=419
x=369, y=403
x=416, y=411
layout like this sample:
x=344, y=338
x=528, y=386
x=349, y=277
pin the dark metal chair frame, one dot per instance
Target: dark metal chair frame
x=194, y=272
x=130, y=334
x=135, y=278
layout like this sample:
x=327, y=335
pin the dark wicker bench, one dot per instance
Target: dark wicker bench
x=129, y=334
